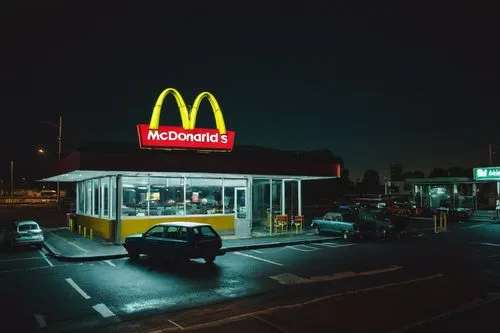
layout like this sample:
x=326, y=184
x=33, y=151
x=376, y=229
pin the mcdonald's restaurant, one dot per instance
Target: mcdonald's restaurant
x=188, y=174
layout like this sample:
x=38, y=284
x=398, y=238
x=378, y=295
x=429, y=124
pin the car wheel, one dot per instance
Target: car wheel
x=133, y=254
x=209, y=260
x=317, y=230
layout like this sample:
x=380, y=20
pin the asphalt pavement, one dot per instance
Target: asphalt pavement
x=353, y=287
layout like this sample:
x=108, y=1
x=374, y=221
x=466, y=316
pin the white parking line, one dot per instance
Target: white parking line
x=257, y=258
x=473, y=226
x=487, y=244
x=333, y=245
x=302, y=248
x=103, y=310
x=256, y=251
x=46, y=259
x=78, y=289
x=109, y=262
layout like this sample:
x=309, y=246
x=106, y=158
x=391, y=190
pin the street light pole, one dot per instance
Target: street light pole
x=59, y=150
x=12, y=179
x=490, y=152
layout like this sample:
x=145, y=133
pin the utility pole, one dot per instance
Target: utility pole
x=489, y=151
x=12, y=179
x=59, y=151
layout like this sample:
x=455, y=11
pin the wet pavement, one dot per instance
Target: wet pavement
x=72, y=246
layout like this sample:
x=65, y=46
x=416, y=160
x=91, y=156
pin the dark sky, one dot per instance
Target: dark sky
x=375, y=82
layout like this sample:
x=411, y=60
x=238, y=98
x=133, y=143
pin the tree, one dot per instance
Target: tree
x=459, y=172
x=438, y=172
x=396, y=172
x=371, y=181
x=413, y=174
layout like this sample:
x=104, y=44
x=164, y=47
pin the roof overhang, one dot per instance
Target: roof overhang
x=80, y=175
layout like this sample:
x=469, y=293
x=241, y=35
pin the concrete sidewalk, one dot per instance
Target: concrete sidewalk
x=65, y=245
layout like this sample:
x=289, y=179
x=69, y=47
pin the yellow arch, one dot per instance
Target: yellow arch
x=219, y=118
x=188, y=118
x=155, y=117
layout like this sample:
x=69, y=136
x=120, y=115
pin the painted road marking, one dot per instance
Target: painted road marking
x=279, y=328
x=70, y=243
x=302, y=248
x=103, y=310
x=487, y=244
x=492, y=297
x=175, y=324
x=40, y=320
x=17, y=259
x=243, y=316
x=287, y=278
x=78, y=289
x=256, y=251
x=327, y=244
x=257, y=258
x=109, y=262
x=46, y=259
x=473, y=226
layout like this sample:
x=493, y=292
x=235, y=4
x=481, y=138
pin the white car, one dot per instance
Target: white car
x=24, y=233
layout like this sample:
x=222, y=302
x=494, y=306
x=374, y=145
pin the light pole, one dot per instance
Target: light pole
x=12, y=179
x=59, y=150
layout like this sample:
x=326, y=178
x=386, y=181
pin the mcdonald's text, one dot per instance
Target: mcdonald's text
x=171, y=137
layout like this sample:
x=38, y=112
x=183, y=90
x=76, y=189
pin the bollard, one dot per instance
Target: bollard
x=79, y=229
x=84, y=232
x=70, y=224
x=91, y=234
x=435, y=224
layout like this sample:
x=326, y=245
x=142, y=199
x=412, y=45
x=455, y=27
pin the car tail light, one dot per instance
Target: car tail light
x=17, y=235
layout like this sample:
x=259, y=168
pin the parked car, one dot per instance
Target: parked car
x=179, y=241
x=24, y=233
x=346, y=224
x=387, y=224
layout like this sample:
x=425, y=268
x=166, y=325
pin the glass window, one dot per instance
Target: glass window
x=229, y=186
x=156, y=231
x=203, y=196
x=166, y=196
x=96, y=196
x=105, y=197
x=112, y=198
x=81, y=197
x=88, y=197
x=134, y=193
x=261, y=213
x=204, y=232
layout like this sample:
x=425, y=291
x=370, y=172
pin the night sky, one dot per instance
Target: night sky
x=374, y=82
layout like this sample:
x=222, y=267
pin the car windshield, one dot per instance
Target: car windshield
x=26, y=227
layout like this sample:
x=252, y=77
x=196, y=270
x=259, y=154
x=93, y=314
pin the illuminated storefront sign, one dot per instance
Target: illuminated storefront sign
x=154, y=136
x=492, y=173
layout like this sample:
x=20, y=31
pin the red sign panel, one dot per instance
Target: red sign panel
x=172, y=137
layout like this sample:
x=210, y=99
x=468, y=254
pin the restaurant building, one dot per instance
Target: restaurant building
x=189, y=174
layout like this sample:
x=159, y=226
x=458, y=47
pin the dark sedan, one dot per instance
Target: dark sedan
x=179, y=241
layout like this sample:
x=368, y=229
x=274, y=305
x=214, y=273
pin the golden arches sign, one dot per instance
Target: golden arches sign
x=188, y=118
x=154, y=136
